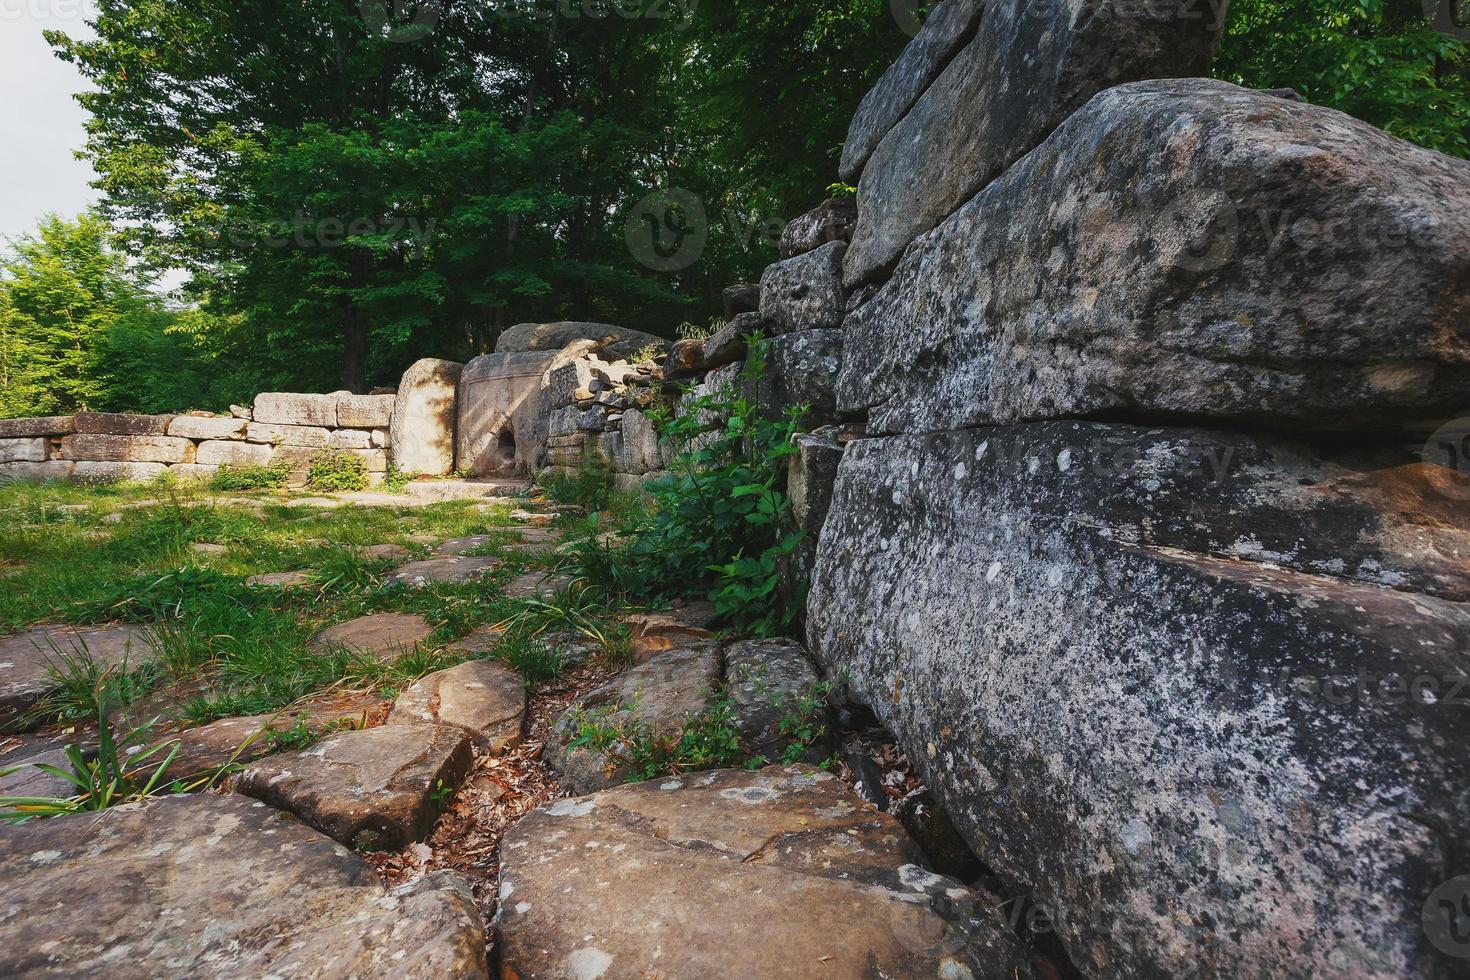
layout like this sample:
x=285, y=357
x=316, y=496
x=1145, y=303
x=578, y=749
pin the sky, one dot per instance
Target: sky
x=40, y=123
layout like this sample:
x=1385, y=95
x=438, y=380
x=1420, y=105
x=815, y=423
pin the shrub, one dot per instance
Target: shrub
x=337, y=471
x=591, y=487
x=230, y=478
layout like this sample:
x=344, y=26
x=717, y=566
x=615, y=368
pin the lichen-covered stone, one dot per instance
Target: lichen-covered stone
x=114, y=424
x=299, y=436
x=1199, y=757
x=1030, y=66
x=551, y=337
x=805, y=293
x=946, y=30
x=54, y=469
x=1166, y=262
x=811, y=476
x=656, y=697
x=727, y=345
x=371, y=790
x=781, y=874
x=365, y=411
x=91, y=471
x=218, y=886
x=773, y=683
x=801, y=369
x=55, y=425
x=222, y=453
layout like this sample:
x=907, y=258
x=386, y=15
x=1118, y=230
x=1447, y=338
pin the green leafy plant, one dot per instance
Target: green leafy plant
x=804, y=720
x=242, y=478
x=441, y=795
x=337, y=471
x=396, y=481
x=533, y=658
x=590, y=487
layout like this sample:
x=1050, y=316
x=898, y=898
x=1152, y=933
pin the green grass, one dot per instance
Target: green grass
x=92, y=556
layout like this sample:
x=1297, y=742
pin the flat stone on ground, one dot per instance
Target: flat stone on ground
x=26, y=660
x=782, y=874
x=536, y=585
x=279, y=580
x=371, y=790
x=418, y=574
x=655, y=697
x=381, y=552
x=463, y=546
x=379, y=635
x=485, y=699
x=218, y=886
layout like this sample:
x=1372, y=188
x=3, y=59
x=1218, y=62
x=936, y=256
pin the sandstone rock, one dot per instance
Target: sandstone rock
x=57, y=425
x=299, y=436
x=349, y=439
x=381, y=439
x=550, y=337
x=1028, y=69
x=40, y=472
x=380, y=552
x=805, y=293
x=455, y=547
x=371, y=790
x=265, y=896
x=23, y=450
x=728, y=345
x=289, y=409
x=1107, y=299
x=28, y=659
x=499, y=411
x=685, y=357
x=485, y=699
x=242, y=412
x=375, y=460
x=771, y=681
x=622, y=885
x=655, y=697
x=949, y=27
x=379, y=635
x=422, y=429
x=417, y=575
x=536, y=585
x=830, y=221
x=110, y=424
x=193, y=427
x=743, y=298
x=87, y=471
x=482, y=641
x=126, y=449
x=640, y=450
x=1115, y=716
x=365, y=411
x=280, y=580
x=220, y=453
x=205, y=548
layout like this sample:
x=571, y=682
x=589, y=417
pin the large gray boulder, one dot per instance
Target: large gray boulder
x=424, y=413
x=948, y=28
x=801, y=369
x=550, y=337
x=1030, y=66
x=499, y=398
x=1153, y=702
x=1183, y=248
x=211, y=886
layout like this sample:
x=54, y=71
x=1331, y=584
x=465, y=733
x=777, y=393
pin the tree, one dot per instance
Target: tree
x=80, y=328
x=1380, y=60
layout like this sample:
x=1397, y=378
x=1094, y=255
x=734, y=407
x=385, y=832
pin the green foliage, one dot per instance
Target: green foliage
x=535, y=659
x=590, y=486
x=1379, y=60
x=119, y=773
x=706, y=740
x=337, y=471
x=396, y=481
x=244, y=478
x=804, y=720
x=716, y=527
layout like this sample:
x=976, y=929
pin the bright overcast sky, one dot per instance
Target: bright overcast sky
x=40, y=123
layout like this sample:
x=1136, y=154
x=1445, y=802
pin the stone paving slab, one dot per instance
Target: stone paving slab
x=487, y=700
x=371, y=790
x=218, y=886
x=379, y=635
x=783, y=874
x=26, y=660
x=418, y=574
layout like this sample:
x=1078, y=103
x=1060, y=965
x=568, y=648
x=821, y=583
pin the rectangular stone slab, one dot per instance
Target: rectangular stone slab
x=1030, y=66
x=60, y=425
x=111, y=424
x=1157, y=257
x=127, y=449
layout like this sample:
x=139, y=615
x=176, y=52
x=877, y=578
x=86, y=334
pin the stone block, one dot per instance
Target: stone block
x=89, y=471
x=289, y=409
x=126, y=449
x=57, y=425
x=365, y=411
x=110, y=424
x=23, y=450
x=349, y=439
x=237, y=454
x=423, y=420
x=37, y=472
x=805, y=293
x=299, y=436
x=192, y=427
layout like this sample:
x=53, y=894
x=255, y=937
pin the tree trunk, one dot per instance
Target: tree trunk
x=354, y=355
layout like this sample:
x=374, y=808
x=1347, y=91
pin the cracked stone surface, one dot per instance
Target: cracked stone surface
x=485, y=699
x=379, y=635
x=768, y=680
x=213, y=886
x=371, y=790
x=783, y=873
x=418, y=574
x=657, y=696
x=26, y=659
x=536, y=585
